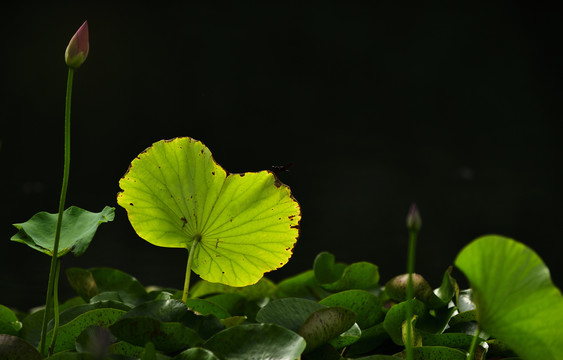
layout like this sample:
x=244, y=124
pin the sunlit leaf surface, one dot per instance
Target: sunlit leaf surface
x=174, y=192
x=515, y=298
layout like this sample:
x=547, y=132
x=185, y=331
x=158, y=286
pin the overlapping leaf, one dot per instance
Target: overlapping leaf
x=515, y=298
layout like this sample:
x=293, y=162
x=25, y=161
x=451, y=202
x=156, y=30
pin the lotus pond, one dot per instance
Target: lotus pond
x=236, y=227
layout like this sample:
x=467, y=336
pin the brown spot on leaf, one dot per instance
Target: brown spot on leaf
x=184, y=221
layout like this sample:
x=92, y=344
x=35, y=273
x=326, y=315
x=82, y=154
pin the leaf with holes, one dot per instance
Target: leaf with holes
x=244, y=224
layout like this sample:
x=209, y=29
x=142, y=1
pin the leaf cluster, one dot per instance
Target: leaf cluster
x=333, y=311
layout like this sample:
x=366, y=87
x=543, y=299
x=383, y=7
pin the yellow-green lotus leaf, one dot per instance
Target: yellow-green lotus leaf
x=247, y=224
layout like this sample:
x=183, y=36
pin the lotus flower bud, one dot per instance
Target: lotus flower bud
x=414, y=222
x=78, y=47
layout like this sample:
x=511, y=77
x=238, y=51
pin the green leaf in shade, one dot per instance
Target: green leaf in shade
x=247, y=223
x=196, y=353
x=515, y=298
x=336, y=277
x=162, y=322
x=326, y=269
x=435, y=353
x=500, y=349
x=262, y=289
x=257, y=342
x=324, y=352
x=326, y=324
x=290, y=313
x=73, y=312
x=234, y=304
x=396, y=288
x=71, y=356
x=126, y=349
x=166, y=336
x=380, y=357
x=15, y=348
x=78, y=229
x=465, y=321
x=233, y=321
x=436, y=322
x=452, y=340
x=149, y=353
x=68, y=332
x=31, y=324
x=416, y=339
x=83, y=282
x=89, y=283
x=31, y=327
x=395, y=317
x=204, y=307
x=107, y=295
x=367, y=306
x=9, y=323
x=347, y=338
x=302, y=285
x=163, y=310
x=466, y=316
x=94, y=340
x=370, y=339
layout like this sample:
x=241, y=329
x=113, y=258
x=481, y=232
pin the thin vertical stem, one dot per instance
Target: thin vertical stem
x=197, y=238
x=471, y=355
x=53, y=273
x=410, y=291
x=55, y=307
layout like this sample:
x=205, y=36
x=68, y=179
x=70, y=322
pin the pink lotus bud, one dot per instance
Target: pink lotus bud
x=414, y=222
x=78, y=47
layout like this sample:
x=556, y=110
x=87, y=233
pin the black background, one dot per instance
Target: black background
x=454, y=106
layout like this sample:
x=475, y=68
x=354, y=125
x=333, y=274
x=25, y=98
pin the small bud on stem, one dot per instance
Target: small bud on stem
x=78, y=47
x=414, y=222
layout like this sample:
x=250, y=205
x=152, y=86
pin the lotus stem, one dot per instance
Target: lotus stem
x=410, y=292
x=53, y=273
x=55, y=308
x=471, y=354
x=414, y=223
x=196, y=240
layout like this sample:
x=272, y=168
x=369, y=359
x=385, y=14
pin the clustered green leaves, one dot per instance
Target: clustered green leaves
x=334, y=311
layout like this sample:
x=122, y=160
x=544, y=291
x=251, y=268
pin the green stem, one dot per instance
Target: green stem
x=197, y=238
x=55, y=307
x=54, y=258
x=410, y=291
x=471, y=355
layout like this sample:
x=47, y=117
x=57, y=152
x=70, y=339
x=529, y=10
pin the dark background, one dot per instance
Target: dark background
x=456, y=107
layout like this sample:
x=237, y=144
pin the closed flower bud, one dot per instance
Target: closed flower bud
x=414, y=222
x=78, y=47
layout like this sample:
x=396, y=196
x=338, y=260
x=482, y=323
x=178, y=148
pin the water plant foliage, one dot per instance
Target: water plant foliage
x=244, y=224
x=236, y=227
